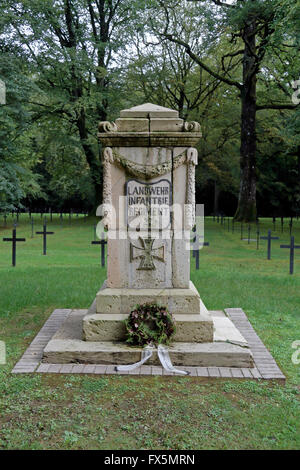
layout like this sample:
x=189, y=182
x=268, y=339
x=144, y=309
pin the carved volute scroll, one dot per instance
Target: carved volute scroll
x=192, y=126
x=106, y=126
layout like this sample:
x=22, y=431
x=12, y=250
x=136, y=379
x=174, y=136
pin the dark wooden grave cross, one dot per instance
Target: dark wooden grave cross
x=101, y=242
x=292, y=248
x=45, y=233
x=269, y=238
x=196, y=245
x=291, y=226
x=14, y=241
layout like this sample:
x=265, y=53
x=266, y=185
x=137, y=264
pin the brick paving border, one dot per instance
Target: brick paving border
x=265, y=367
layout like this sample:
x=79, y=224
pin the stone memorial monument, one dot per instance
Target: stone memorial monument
x=149, y=169
x=148, y=208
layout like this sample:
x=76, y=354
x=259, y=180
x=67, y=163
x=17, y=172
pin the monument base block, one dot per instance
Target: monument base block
x=105, y=319
x=178, y=301
x=228, y=348
x=109, y=327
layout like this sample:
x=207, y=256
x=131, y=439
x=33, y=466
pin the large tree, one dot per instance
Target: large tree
x=71, y=46
x=251, y=27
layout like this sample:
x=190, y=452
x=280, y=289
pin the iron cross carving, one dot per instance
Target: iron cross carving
x=147, y=253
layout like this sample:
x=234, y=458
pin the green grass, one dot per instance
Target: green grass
x=119, y=412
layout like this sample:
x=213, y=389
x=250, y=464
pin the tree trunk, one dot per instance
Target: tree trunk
x=246, y=210
x=93, y=160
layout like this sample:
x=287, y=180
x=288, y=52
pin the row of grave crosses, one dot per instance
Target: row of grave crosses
x=146, y=252
x=14, y=240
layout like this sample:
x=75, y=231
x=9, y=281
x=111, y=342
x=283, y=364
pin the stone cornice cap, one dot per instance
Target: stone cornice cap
x=149, y=125
x=149, y=110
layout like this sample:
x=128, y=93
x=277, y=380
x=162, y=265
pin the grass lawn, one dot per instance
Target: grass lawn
x=119, y=412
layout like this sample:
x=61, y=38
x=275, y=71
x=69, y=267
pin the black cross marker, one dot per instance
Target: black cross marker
x=196, y=249
x=101, y=242
x=269, y=238
x=291, y=226
x=44, y=233
x=14, y=241
x=292, y=248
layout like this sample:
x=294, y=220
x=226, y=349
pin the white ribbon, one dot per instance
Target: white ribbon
x=164, y=358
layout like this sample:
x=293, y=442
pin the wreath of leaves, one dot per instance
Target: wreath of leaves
x=149, y=323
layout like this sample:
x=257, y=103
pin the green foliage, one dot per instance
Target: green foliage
x=66, y=67
x=10, y=190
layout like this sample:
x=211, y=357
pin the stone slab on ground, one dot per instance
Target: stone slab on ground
x=182, y=354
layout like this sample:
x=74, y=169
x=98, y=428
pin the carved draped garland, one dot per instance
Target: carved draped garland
x=148, y=171
x=189, y=156
x=192, y=161
x=107, y=188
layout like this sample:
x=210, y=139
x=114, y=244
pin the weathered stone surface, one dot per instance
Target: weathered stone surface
x=163, y=125
x=101, y=327
x=189, y=354
x=105, y=327
x=149, y=110
x=174, y=271
x=132, y=125
x=226, y=331
x=178, y=301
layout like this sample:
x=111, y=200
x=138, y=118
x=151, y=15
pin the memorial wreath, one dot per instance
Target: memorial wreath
x=148, y=324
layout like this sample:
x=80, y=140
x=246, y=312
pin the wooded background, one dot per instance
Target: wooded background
x=230, y=65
